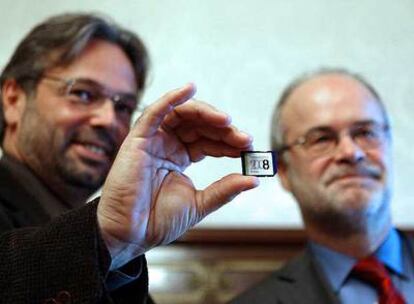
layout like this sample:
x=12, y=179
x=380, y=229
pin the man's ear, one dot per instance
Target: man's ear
x=283, y=175
x=14, y=102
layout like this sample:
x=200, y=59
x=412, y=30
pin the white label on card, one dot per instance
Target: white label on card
x=259, y=163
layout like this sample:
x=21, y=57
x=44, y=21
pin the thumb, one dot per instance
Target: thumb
x=224, y=190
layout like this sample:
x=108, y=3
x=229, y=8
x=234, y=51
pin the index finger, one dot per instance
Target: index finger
x=152, y=117
x=198, y=112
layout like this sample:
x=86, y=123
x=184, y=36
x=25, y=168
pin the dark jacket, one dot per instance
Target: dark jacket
x=61, y=258
x=300, y=281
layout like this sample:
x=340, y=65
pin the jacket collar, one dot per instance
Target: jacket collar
x=306, y=281
x=24, y=196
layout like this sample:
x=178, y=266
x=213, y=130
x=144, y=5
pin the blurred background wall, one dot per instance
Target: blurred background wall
x=241, y=54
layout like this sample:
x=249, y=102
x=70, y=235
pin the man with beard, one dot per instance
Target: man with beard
x=331, y=132
x=67, y=98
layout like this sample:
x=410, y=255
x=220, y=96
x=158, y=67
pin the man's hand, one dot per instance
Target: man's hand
x=146, y=199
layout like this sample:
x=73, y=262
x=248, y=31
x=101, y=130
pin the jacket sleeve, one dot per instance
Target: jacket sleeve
x=65, y=257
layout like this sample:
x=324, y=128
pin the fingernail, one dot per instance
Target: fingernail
x=192, y=85
x=256, y=181
x=247, y=135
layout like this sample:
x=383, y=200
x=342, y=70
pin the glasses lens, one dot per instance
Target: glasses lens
x=84, y=92
x=369, y=136
x=125, y=104
x=320, y=142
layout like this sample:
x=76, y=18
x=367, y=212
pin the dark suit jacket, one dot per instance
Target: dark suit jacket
x=62, y=258
x=300, y=281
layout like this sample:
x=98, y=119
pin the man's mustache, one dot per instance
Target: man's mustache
x=364, y=170
x=100, y=137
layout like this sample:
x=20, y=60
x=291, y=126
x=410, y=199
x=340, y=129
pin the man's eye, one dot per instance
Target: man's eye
x=367, y=133
x=125, y=104
x=320, y=139
x=83, y=95
x=124, y=108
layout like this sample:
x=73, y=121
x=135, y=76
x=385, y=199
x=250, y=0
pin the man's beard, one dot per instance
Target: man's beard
x=342, y=222
x=46, y=150
x=70, y=173
x=94, y=174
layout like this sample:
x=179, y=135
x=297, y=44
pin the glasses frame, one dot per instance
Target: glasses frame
x=104, y=93
x=302, y=140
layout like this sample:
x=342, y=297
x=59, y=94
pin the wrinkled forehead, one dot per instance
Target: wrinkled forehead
x=333, y=100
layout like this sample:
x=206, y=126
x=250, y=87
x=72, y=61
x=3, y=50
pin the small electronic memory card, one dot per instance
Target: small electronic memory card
x=259, y=163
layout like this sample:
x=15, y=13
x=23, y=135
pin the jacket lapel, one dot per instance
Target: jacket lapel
x=21, y=208
x=304, y=282
x=408, y=239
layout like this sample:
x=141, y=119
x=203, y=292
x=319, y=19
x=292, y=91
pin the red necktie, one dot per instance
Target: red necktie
x=373, y=272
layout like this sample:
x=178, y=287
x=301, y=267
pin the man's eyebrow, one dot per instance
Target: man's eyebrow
x=366, y=122
x=325, y=128
x=320, y=129
x=103, y=87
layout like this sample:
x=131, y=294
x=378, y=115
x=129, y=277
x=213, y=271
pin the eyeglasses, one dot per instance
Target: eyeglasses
x=324, y=140
x=88, y=93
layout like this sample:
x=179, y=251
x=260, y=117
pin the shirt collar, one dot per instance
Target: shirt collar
x=337, y=266
x=390, y=253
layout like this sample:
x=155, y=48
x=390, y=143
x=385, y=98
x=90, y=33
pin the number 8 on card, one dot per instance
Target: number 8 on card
x=259, y=163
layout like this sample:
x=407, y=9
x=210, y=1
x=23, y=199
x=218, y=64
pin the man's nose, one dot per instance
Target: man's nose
x=104, y=115
x=348, y=150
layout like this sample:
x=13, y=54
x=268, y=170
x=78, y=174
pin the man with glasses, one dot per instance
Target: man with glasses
x=67, y=98
x=331, y=132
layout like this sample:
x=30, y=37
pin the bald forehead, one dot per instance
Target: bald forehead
x=327, y=99
x=329, y=86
